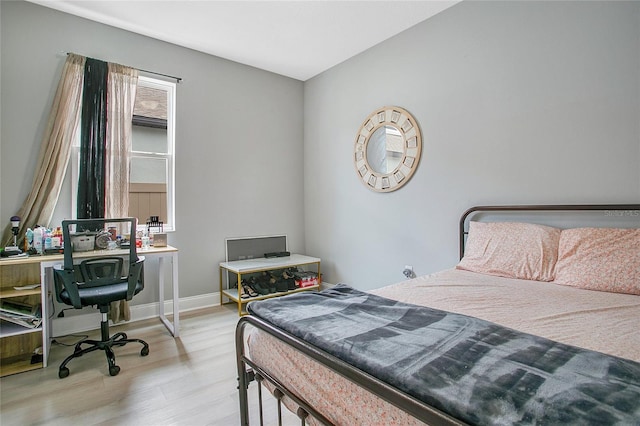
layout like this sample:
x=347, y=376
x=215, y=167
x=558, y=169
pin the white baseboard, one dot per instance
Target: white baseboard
x=91, y=321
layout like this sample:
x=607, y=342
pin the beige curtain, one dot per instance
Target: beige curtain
x=55, y=149
x=121, y=94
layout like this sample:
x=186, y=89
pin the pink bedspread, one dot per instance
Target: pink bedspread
x=605, y=322
x=596, y=320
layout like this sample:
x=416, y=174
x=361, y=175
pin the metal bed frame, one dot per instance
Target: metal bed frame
x=249, y=371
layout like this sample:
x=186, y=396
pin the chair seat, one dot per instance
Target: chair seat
x=101, y=295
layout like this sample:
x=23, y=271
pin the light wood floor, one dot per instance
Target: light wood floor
x=191, y=380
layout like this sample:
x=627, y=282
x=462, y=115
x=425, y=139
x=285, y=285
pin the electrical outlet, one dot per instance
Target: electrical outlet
x=408, y=271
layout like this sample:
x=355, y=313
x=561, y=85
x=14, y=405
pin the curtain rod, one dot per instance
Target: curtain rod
x=177, y=79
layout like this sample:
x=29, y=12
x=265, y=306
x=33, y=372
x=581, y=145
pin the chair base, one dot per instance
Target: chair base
x=106, y=345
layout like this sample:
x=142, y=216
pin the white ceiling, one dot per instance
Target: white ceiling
x=298, y=39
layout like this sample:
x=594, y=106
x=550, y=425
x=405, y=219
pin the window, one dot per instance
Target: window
x=151, y=191
x=152, y=174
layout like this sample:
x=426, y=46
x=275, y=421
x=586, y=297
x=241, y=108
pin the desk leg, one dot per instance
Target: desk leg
x=161, y=272
x=173, y=328
x=176, y=295
x=47, y=288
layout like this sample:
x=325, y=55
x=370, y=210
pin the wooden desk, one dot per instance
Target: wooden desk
x=25, y=270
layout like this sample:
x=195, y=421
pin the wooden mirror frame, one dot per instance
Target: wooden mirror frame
x=406, y=124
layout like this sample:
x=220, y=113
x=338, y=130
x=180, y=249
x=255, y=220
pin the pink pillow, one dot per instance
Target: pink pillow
x=603, y=259
x=514, y=250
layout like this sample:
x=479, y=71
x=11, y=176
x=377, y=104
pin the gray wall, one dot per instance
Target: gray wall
x=239, y=134
x=519, y=102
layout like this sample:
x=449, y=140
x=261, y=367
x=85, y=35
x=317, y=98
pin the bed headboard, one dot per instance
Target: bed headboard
x=560, y=215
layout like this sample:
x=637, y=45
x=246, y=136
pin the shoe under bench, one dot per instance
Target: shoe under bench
x=238, y=268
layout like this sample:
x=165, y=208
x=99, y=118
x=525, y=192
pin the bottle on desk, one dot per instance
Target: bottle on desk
x=56, y=237
x=38, y=239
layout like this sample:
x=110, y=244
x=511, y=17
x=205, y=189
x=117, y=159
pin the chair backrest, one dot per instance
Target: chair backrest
x=97, y=271
x=93, y=223
x=101, y=270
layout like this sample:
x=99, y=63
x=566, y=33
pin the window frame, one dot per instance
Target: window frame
x=170, y=88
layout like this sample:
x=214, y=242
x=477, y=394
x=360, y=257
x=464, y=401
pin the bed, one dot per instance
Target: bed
x=536, y=324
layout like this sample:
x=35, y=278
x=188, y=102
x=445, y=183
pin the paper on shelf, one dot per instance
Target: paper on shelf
x=27, y=287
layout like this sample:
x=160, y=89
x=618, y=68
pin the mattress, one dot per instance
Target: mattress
x=596, y=320
x=605, y=322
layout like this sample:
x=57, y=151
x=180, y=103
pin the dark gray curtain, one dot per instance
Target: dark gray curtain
x=91, y=179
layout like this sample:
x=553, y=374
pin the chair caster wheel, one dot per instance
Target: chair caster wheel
x=113, y=371
x=63, y=372
x=144, y=351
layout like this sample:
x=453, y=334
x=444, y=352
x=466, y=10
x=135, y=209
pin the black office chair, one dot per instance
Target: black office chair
x=98, y=281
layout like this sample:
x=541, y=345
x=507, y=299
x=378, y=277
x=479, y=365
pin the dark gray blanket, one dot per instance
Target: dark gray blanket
x=474, y=370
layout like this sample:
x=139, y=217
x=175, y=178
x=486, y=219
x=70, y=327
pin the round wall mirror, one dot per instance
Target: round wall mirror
x=387, y=149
